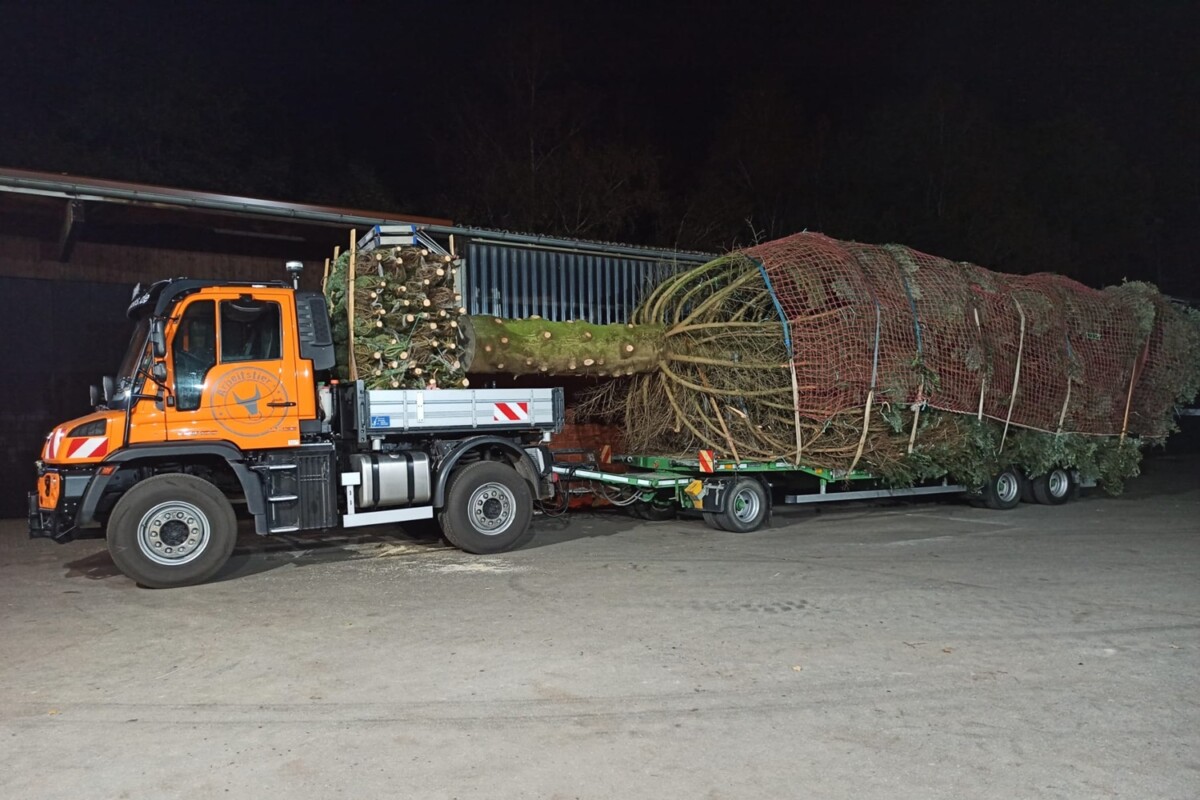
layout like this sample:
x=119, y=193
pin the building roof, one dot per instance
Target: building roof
x=68, y=207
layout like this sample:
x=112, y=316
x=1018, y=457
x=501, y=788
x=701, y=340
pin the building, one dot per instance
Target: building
x=72, y=249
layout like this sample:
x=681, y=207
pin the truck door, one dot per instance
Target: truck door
x=234, y=373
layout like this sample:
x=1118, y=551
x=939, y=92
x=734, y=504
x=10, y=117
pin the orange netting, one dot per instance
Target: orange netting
x=891, y=325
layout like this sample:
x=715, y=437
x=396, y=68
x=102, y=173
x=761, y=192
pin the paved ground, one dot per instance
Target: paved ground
x=917, y=651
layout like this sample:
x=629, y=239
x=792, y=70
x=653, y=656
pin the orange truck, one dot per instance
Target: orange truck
x=224, y=403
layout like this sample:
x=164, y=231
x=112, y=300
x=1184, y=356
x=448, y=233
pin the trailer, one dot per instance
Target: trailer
x=738, y=496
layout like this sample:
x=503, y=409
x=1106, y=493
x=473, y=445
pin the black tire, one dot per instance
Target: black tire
x=1003, y=491
x=172, y=530
x=746, y=507
x=652, y=512
x=1054, y=488
x=713, y=521
x=488, y=508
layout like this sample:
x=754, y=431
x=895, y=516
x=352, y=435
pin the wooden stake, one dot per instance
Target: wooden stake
x=1063, y=414
x=796, y=407
x=983, y=383
x=912, y=437
x=1135, y=374
x=350, y=303
x=862, y=441
x=1016, y=375
x=720, y=418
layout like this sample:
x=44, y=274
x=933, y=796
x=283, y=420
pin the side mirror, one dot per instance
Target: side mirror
x=158, y=373
x=158, y=338
x=95, y=398
x=110, y=388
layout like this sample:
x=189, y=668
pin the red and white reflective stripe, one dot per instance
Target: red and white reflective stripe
x=55, y=441
x=90, y=447
x=510, y=412
x=706, y=460
x=605, y=454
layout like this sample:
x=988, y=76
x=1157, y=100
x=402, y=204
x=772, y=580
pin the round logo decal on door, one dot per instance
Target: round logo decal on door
x=249, y=402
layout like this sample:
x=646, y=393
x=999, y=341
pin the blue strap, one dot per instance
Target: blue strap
x=787, y=333
x=913, y=307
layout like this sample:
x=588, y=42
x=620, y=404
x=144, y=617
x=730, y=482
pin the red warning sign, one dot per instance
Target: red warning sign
x=707, y=461
x=510, y=412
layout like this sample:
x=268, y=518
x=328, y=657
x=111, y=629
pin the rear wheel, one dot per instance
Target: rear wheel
x=488, y=508
x=745, y=508
x=172, y=530
x=1003, y=491
x=1054, y=488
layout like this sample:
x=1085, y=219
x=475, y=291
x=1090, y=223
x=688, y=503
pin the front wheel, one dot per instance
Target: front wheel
x=172, y=530
x=488, y=508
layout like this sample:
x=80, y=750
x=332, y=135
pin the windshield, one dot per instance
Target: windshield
x=137, y=353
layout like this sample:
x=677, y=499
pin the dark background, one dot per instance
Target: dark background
x=1024, y=136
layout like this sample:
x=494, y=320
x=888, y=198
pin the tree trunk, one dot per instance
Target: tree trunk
x=538, y=346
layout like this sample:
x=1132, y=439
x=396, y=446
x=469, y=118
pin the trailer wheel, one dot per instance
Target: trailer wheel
x=1003, y=491
x=745, y=508
x=713, y=521
x=1054, y=488
x=488, y=508
x=172, y=530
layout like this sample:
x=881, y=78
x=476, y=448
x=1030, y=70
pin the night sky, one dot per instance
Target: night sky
x=1025, y=136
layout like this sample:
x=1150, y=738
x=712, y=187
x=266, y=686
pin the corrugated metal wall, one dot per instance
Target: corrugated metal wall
x=514, y=281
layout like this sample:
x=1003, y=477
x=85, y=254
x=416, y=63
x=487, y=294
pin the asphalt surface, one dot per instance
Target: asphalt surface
x=925, y=650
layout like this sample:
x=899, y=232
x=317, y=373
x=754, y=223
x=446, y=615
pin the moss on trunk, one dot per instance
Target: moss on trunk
x=538, y=346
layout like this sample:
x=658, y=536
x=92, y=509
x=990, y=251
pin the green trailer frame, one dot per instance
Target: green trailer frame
x=657, y=479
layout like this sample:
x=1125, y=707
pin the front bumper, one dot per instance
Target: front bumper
x=50, y=523
x=54, y=511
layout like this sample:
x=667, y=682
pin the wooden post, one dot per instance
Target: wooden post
x=1016, y=375
x=912, y=437
x=1063, y=414
x=350, y=303
x=720, y=417
x=983, y=383
x=796, y=409
x=862, y=441
x=1134, y=375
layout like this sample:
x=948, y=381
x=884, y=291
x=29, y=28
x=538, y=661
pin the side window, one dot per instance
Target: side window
x=194, y=352
x=250, y=330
